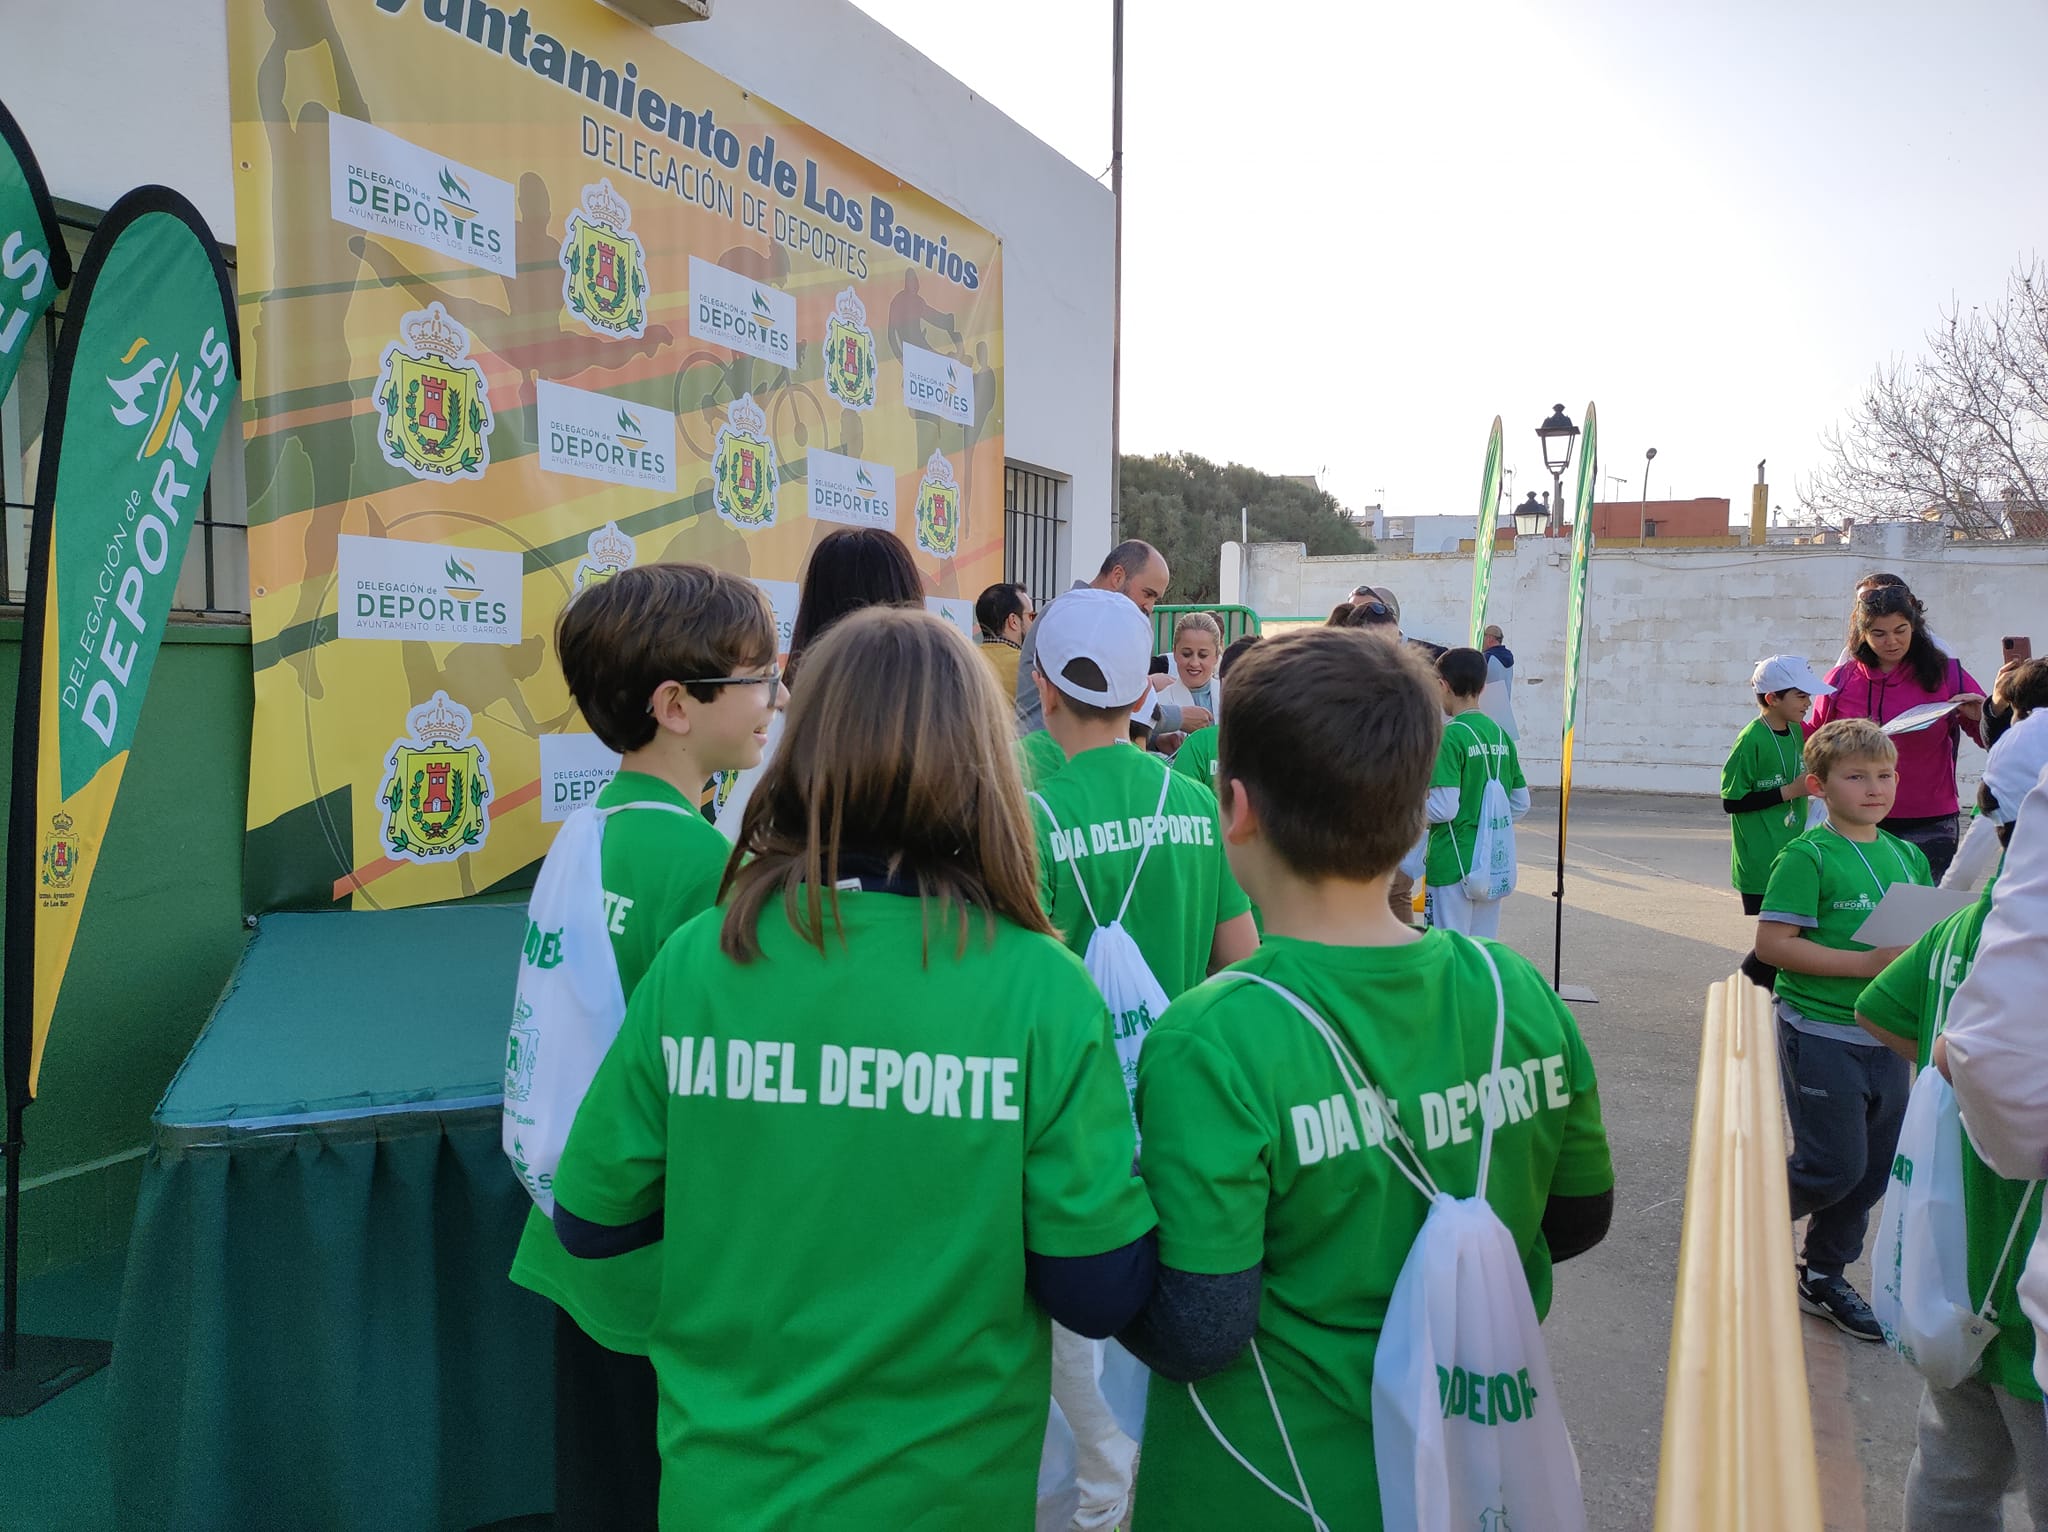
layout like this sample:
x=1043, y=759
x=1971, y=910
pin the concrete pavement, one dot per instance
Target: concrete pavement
x=1650, y=922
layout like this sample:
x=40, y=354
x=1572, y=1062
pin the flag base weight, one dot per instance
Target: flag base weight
x=1577, y=994
x=46, y=1365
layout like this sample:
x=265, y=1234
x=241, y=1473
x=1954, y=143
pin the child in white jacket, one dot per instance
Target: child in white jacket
x=1995, y=1050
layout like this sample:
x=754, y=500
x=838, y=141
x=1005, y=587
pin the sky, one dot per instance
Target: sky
x=1712, y=221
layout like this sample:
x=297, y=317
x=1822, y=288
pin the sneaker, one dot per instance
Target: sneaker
x=1839, y=1304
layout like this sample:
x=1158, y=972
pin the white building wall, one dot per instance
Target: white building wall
x=1442, y=534
x=165, y=64
x=1672, y=634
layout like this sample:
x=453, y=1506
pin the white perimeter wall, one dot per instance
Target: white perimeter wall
x=164, y=64
x=1672, y=635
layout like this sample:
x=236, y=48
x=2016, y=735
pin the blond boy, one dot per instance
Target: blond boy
x=1845, y=1092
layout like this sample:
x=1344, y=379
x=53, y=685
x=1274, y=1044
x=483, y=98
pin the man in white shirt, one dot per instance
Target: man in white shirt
x=1137, y=570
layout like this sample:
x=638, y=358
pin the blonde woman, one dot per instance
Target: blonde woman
x=874, y=1104
x=1194, y=683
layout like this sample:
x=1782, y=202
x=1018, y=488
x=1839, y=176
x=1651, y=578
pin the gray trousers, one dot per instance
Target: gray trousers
x=1973, y=1440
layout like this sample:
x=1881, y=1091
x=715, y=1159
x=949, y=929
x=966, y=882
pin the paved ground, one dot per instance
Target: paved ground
x=1649, y=923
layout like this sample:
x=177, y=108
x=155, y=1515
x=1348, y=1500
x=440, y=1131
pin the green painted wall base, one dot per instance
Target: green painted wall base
x=162, y=929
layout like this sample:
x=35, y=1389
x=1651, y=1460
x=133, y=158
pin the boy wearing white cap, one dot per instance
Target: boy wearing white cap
x=1125, y=844
x=1185, y=911
x=1763, y=783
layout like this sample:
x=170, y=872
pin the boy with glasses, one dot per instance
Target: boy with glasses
x=673, y=666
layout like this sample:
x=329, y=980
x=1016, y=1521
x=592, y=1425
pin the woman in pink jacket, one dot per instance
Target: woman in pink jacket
x=1896, y=665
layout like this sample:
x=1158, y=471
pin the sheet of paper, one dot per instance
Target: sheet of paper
x=1914, y=719
x=1908, y=912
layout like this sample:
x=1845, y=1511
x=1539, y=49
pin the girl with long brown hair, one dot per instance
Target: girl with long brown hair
x=874, y=1105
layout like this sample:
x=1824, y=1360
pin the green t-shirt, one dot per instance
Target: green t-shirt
x=1197, y=757
x=1039, y=758
x=1827, y=885
x=1474, y=748
x=659, y=870
x=844, y=1339
x=1103, y=803
x=1763, y=758
x=1910, y=999
x=1254, y=1156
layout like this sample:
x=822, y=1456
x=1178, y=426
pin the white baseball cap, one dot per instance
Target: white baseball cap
x=1105, y=629
x=2015, y=765
x=1787, y=673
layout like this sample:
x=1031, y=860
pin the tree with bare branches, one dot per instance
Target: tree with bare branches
x=1957, y=435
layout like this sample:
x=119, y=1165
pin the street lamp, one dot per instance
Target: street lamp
x=1557, y=434
x=1643, y=520
x=1531, y=517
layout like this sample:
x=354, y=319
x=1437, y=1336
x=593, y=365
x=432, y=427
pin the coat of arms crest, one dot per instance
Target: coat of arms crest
x=743, y=468
x=610, y=551
x=938, y=509
x=437, y=796
x=604, y=268
x=850, y=354
x=62, y=850
x=522, y=1050
x=434, y=401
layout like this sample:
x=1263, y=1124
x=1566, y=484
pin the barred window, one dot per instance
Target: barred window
x=1032, y=523
x=214, y=579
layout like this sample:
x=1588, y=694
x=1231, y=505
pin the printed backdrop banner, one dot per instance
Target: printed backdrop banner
x=1482, y=542
x=530, y=297
x=142, y=382
x=1575, y=610
x=33, y=261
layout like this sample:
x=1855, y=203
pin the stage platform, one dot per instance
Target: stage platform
x=316, y=1329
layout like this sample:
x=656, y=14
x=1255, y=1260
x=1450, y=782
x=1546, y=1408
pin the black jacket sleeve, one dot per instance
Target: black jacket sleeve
x=1194, y=1325
x=1094, y=1295
x=1762, y=798
x=1574, y=1225
x=1996, y=721
x=594, y=1241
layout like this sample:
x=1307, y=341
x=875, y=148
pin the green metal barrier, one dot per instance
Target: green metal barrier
x=1236, y=621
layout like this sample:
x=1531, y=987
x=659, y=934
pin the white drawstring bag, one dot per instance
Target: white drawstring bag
x=1467, y=1427
x=568, y=1004
x=1112, y=958
x=1491, y=877
x=1922, y=1263
x=1098, y=1387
